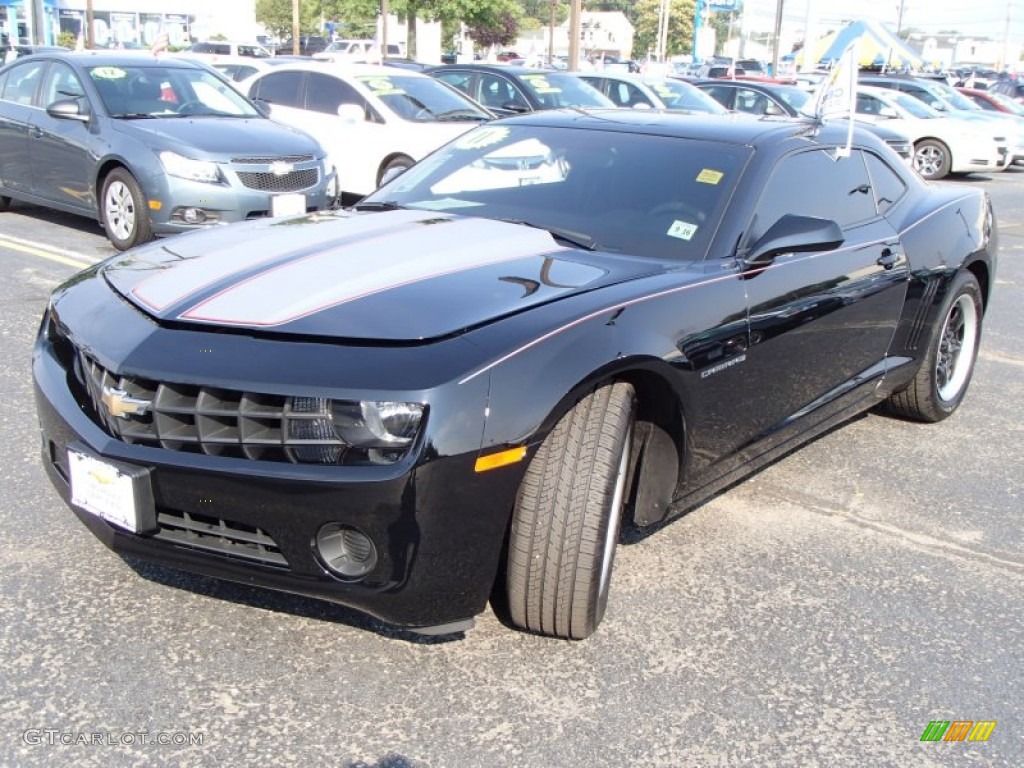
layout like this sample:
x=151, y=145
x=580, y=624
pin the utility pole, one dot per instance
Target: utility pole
x=410, y=21
x=296, y=41
x=575, y=12
x=88, y=24
x=899, y=18
x=776, y=42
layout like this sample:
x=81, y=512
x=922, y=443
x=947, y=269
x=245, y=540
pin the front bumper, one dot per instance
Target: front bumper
x=170, y=196
x=438, y=527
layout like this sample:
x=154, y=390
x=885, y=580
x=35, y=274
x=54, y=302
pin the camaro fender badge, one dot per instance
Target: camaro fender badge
x=281, y=168
x=722, y=366
x=121, y=405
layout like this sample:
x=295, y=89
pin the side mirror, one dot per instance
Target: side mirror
x=794, y=234
x=68, y=109
x=773, y=110
x=351, y=113
x=642, y=105
x=263, y=107
x=888, y=112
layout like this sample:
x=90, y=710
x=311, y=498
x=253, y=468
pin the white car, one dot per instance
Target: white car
x=646, y=91
x=942, y=144
x=369, y=118
x=356, y=50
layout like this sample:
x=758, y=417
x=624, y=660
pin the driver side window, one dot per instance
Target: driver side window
x=61, y=83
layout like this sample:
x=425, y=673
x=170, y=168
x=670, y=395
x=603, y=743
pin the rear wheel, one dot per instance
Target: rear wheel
x=941, y=381
x=932, y=159
x=566, y=522
x=123, y=211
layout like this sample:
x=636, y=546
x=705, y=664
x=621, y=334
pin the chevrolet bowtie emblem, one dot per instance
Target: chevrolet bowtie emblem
x=120, y=405
x=281, y=168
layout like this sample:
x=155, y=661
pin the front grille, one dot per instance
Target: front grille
x=288, y=182
x=213, y=534
x=269, y=160
x=214, y=421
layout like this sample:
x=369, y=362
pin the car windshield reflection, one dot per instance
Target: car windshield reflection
x=657, y=197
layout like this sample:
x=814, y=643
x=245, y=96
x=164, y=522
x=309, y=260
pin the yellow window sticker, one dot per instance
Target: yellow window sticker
x=708, y=176
x=541, y=84
x=108, y=73
x=682, y=230
x=381, y=86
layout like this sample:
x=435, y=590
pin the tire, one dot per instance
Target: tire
x=402, y=161
x=932, y=159
x=123, y=211
x=941, y=382
x=567, y=516
x=5, y=203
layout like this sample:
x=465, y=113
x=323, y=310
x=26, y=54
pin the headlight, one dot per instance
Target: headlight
x=322, y=431
x=371, y=424
x=186, y=168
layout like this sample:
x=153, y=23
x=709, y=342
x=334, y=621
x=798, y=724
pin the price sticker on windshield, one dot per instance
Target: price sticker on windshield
x=708, y=176
x=682, y=230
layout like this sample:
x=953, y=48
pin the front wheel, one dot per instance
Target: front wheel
x=932, y=159
x=123, y=211
x=941, y=381
x=567, y=516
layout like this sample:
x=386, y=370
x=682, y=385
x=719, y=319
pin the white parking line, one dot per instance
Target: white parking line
x=59, y=255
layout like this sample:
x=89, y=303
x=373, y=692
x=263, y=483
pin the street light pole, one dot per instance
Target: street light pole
x=775, y=43
x=899, y=19
x=574, y=34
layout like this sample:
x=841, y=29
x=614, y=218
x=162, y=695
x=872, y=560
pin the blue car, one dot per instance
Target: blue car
x=149, y=146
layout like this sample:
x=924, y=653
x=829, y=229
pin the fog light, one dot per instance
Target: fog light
x=193, y=215
x=345, y=551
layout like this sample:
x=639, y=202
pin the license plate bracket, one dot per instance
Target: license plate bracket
x=121, y=494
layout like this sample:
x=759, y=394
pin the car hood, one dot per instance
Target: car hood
x=397, y=276
x=220, y=138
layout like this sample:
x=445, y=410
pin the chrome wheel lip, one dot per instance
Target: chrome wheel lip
x=958, y=343
x=119, y=210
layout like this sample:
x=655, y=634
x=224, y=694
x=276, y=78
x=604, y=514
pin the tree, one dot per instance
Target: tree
x=497, y=24
x=276, y=16
x=680, y=27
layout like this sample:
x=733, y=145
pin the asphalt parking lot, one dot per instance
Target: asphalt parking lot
x=823, y=612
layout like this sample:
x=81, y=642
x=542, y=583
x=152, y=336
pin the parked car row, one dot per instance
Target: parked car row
x=154, y=146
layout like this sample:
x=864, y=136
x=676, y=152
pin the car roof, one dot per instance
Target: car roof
x=729, y=128
x=113, y=58
x=351, y=69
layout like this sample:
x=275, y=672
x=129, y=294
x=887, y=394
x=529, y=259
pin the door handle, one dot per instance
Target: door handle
x=888, y=258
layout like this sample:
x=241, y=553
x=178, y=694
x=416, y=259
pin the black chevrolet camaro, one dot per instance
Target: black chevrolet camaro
x=556, y=325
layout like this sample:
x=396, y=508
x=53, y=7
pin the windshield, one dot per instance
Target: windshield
x=423, y=99
x=955, y=98
x=683, y=97
x=797, y=98
x=555, y=90
x=655, y=196
x=148, y=91
x=914, y=106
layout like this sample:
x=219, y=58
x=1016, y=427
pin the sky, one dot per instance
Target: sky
x=977, y=18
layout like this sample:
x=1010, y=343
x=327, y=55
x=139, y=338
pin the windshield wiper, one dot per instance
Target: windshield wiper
x=575, y=239
x=135, y=116
x=460, y=114
x=373, y=205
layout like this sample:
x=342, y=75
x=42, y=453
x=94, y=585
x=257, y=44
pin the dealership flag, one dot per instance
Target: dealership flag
x=837, y=96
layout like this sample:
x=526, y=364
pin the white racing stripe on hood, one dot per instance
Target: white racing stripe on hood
x=196, y=271
x=308, y=285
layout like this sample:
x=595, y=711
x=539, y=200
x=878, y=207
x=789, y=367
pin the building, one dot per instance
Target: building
x=126, y=21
